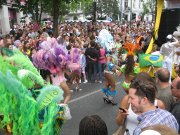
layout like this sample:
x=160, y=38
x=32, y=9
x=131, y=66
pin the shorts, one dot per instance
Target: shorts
x=83, y=70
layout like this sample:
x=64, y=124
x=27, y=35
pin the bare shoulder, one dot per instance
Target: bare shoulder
x=124, y=102
x=160, y=104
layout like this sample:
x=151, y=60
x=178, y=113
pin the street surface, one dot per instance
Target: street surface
x=89, y=102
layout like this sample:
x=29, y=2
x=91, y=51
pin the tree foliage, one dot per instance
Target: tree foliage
x=56, y=8
x=105, y=8
x=148, y=7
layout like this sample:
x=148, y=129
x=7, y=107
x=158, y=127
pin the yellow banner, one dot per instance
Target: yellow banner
x=160, y=5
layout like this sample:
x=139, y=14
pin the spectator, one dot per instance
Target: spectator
x=101, y=63
x=141, y=97
x=147, y=40
x=12, y=31
x=83, y=64
x=92, y=125
x=175, y=87
x=130, y=116
x=164, y=88
x=92, y=56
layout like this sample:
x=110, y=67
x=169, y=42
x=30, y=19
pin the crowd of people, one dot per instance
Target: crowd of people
x=153, y=102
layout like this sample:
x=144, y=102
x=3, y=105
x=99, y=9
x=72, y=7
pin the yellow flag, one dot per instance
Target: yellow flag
x=160, y=5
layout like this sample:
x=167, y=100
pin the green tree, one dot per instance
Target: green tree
x=57, y=8
x=108, y=7
x=2, y=2
x=148, y=7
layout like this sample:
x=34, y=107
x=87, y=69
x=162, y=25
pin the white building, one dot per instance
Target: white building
x=8, y=17
x=134, y=6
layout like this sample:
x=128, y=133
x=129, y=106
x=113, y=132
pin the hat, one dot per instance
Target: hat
x=150, y=132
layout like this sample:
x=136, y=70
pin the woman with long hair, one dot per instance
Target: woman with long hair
x=130, y=69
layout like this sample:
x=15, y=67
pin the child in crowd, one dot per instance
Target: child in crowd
x=83, y=64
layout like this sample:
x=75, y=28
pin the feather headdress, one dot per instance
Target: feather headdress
x=54, y=57
x=130, y=47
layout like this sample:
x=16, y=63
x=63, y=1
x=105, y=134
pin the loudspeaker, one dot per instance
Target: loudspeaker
x=170, y=19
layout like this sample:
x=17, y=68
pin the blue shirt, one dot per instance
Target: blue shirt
x=153, y=117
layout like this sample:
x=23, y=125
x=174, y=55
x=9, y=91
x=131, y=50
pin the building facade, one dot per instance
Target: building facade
x=9, y=16
x=132, y=10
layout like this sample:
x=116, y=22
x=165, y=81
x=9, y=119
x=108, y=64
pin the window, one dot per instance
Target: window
x=126, y=4
x=134, y=4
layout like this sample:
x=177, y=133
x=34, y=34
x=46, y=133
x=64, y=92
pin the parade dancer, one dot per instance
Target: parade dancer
x=57, y=60
x=109, y=86
x=130, y=69
x=105, y=39
x=21, y=112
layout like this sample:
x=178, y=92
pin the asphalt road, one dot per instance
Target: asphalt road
x=89, y=102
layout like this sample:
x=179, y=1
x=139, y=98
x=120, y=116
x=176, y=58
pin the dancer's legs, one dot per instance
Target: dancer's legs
x=67, y=92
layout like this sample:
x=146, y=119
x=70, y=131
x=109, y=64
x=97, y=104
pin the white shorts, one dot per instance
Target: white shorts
x=83, y=70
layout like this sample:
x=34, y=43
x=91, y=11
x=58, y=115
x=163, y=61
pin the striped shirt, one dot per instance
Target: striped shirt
x=153, y=117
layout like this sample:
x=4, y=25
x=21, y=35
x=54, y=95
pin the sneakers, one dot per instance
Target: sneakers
x=99, y=81
x=85, y=81
x=78, y=89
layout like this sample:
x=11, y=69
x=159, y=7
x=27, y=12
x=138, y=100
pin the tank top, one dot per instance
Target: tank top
x=131, y=120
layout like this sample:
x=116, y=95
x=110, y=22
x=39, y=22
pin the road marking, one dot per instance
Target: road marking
x=87, y=95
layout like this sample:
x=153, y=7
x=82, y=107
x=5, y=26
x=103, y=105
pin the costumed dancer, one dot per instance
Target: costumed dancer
x=19, y=110
x=130, y=69
x=55, y=58
x=167, y=50
x=75, y=72
x=109, y=85
x=21, y=113
x=106, y=40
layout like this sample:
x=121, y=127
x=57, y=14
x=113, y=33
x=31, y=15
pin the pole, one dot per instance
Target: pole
x=121, y=3
x=130, y=14
x=94, y=11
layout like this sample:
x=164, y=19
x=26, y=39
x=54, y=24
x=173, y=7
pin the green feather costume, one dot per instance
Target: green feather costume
x=22, y=68
x=21, y=110
x=18, y=108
